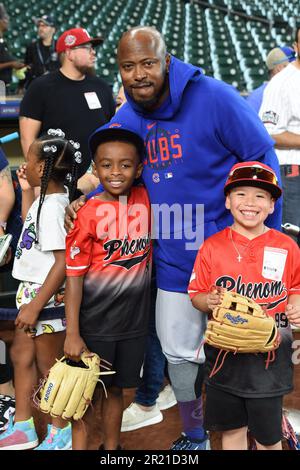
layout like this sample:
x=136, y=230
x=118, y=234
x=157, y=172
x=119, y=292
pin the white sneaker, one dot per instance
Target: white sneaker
x=135, y=418
x=166, y=399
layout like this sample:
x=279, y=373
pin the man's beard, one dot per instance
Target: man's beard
x=151, y=104
x=86, y=70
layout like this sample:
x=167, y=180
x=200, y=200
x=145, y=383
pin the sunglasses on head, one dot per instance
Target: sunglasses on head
x=252, y=173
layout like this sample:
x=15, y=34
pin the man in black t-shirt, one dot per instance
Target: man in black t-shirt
x=72, y=98
x=41, y=56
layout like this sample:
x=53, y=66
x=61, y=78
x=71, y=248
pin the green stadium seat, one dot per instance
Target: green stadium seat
x=200, y=34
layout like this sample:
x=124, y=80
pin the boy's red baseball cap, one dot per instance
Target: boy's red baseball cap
x=253, y=174
x=75, y=37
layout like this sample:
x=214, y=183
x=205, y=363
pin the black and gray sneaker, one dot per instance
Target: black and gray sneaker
x=7, y=409
x=185, y=443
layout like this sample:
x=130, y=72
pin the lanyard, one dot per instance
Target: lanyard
x=43, y=62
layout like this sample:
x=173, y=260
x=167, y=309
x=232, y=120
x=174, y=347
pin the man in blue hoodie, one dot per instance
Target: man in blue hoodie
x=195, y=129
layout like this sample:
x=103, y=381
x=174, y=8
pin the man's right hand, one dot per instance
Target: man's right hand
x=71, y=212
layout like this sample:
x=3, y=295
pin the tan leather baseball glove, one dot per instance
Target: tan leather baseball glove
x=241, y=325
x=69, y=387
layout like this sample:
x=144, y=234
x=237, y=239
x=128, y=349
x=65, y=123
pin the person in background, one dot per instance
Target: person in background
x=7, y=62
x=71, y=98
x=41, y=56
x=7, y=194
x=280, y=113
x=7, y=203
x=277, y=59
x=120, y=98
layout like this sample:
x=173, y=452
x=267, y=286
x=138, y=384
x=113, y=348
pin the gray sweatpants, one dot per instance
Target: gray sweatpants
x=180, y=328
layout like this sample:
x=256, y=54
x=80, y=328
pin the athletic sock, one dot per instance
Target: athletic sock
x=191, y=413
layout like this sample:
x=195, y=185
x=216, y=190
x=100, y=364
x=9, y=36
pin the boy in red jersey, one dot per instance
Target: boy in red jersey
x=108, y=274
x=264, y=264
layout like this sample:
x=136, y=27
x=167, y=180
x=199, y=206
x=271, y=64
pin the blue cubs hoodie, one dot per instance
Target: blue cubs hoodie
x=192, y=140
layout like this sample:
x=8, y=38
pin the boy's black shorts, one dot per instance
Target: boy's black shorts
x=126, y=357
x=263, y=416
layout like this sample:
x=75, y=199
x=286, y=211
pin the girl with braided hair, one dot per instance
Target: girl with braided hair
x=39, y=264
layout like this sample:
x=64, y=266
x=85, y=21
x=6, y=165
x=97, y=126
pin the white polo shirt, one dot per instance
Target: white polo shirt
x=280, y=109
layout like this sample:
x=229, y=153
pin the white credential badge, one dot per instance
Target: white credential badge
x=274, y=263
x=92, y=100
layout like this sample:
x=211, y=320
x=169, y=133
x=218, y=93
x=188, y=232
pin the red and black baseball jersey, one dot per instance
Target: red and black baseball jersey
x=268, y=273
x=110, y=246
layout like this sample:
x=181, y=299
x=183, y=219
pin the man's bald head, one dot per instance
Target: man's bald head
x=144, y=33
x=144, y=65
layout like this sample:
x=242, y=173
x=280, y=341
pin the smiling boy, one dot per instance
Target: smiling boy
x=262, y=263
x=109, y=272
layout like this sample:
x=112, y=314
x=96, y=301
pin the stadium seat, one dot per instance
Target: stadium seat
x=210, y=34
